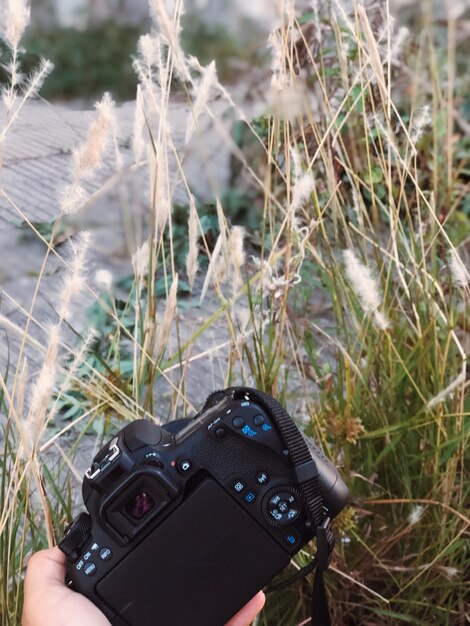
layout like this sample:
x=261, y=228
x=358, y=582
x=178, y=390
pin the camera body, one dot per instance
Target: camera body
x=186, y=523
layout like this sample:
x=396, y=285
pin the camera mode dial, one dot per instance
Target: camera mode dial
x=282, y=506
x=76, y=534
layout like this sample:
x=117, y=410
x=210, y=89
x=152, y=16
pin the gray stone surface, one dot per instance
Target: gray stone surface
x=37, y=166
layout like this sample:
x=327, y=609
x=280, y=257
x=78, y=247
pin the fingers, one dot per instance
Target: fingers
x=247, y=614
x=46, y=569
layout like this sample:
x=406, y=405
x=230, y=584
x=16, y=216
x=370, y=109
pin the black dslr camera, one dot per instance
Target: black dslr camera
x=186, y=523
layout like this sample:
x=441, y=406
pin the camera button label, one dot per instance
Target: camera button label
x=249, y=432
x=262, y=478
x=90, y=569
x=105, y=554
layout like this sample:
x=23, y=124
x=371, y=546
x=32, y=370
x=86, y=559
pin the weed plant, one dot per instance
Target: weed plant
x=347, y=300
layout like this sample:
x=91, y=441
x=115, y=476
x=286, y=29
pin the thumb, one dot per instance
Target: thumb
x=45, y=568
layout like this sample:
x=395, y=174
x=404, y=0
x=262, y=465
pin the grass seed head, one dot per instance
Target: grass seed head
x=443, y=395
x=138, y=141
x=365, y=287
x=141, y=259
x=89, y=156
x=416, y=514
x=460, y=275
x=203, y=93
x=192, y=264
x=104, y=279
x=14, y=20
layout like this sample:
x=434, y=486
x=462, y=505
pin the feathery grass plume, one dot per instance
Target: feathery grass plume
x=36, y=80
x=398, y=43
x=303, y=184
x=303, y=187
x=10, y=92
x=202, y=90
x=373, y=49
x=148, y=48
x=14, y=19
x=138, y=142
x=74, y=280
x=213, y=264
x=32, y=427
x=72, y=370
x=160, y=186
x=279, y=42
x=148, y=64
x=31, y=86
x=36, y=421
x=450, y=572
x=421, y=122
x=88, y=157
x=21, y=388
x=103, y=279
x=459, y=272
x=220, y=263
x=141, y=259
x=236, y=256
x=192, y=264
x=280, y=78
x=366, y=288
x=170, y=31
x=296, y=161
x=170, y=310
x=223, y=227
x=73, y=197
x=416, y=514
x=445, y=393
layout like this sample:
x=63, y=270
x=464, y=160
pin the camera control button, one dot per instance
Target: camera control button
x=105, y=554
x=238, y=422
x=291, y=539
x=258, y=420
x=220, y=432
x=249, y=497
x=90, y=569
x=262, y=478
x=282, y=506
x=239, y=486
x=185, y=466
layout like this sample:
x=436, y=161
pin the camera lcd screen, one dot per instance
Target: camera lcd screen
x=201, y=565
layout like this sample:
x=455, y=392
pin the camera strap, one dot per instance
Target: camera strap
x=308, y=479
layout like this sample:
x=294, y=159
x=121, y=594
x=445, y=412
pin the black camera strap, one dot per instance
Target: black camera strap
x=308, y=478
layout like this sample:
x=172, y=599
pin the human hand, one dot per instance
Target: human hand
x=49, y=602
